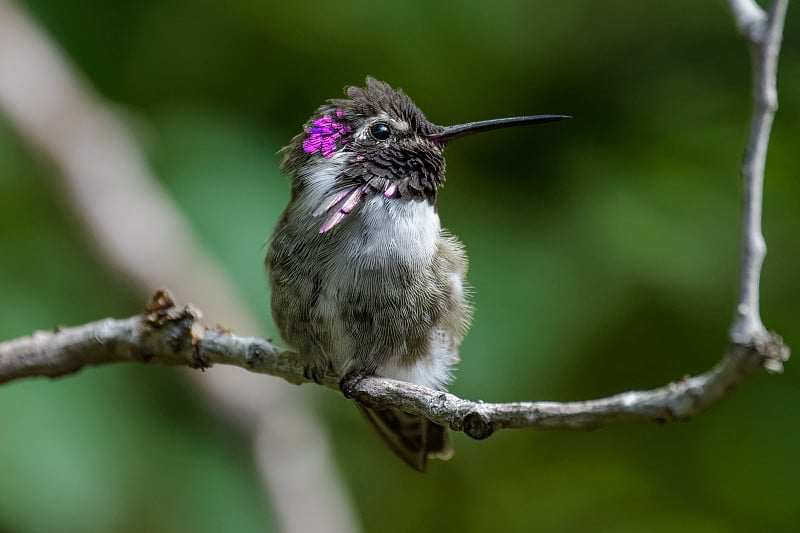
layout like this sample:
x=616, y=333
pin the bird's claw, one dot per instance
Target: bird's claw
x=349, y=383
x=317, y=372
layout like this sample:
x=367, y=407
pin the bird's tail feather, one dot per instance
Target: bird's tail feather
x=413, y=438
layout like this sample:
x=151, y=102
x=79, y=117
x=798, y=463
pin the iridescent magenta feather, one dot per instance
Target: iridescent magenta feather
x=352, y=200
x=332, y=221
x=329, y=202
x=355, y=196
x=390, y=190
x=324, y=134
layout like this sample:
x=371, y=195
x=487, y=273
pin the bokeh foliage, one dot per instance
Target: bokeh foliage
x=603, y=257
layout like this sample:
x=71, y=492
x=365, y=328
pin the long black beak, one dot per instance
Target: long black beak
x=461, y=130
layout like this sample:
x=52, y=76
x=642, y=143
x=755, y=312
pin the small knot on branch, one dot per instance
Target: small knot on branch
x=178, y=324
x=161, y=309
x=477, y=426
x=765, y=350
x=773, y=351
x=255, y=355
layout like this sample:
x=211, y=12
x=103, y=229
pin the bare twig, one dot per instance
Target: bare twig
x=169, y=335
x=750, y=18
x=763, y=32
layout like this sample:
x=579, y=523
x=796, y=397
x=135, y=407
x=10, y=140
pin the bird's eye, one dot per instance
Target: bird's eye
x=380, y=131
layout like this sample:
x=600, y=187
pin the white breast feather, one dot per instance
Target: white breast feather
x=400, y=231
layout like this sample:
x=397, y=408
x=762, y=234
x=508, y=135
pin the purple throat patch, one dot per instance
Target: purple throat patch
x=324, y=134
x=341, y=203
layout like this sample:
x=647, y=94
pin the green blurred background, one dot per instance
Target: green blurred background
x=604, y=257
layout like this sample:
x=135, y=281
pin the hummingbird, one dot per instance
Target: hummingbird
x=365, y=281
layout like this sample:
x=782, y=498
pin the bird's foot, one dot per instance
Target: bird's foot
x=318, y=370
x=349, y=382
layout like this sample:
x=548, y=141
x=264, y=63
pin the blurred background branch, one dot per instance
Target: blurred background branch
x=135, y=228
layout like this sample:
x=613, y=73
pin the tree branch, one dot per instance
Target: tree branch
x=750, y=18
x=166, y=334
x=764, y=35
x=169, y=335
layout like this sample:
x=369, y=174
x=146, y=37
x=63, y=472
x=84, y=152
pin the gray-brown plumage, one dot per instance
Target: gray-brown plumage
x=364, y=280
